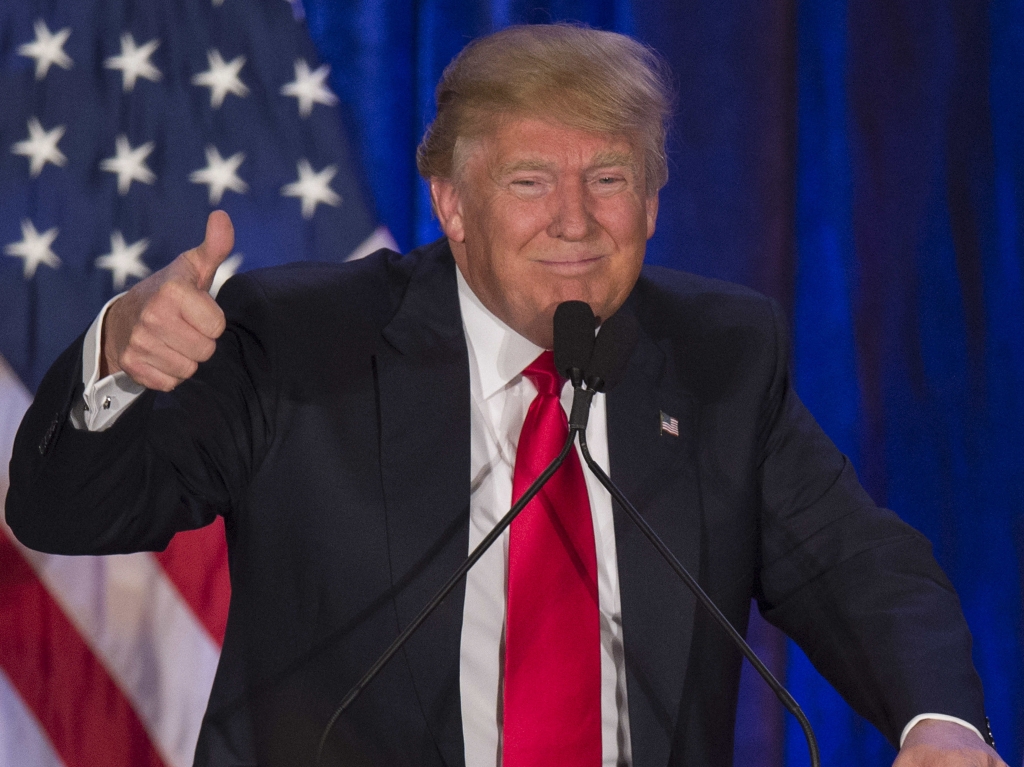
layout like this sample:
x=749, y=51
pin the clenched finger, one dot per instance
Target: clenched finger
x=200, y=311
x=146, y=352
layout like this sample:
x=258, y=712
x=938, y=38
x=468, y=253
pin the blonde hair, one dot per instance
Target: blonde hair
x=583, y=78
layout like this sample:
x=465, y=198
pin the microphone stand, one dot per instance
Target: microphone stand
x=450, y=584
x=578, y=418
x=780, y=692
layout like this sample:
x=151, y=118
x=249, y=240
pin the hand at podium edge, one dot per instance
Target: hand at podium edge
x=937, y=743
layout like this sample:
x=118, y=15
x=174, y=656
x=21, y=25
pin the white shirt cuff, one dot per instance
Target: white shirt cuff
x=941, y=718
x=105, y=399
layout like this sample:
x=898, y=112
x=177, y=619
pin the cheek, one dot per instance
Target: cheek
x=512, y=244
x=519, y=223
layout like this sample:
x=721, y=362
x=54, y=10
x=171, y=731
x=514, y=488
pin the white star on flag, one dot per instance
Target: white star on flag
x=134, y=62
x=123, y=260
x=313, y=187
x=221, y=78
x=47, y=49
x=34, y=248
x=41, y=147
x=129, y=164
x=224, y=272
x=220, y=174
x=308, y=87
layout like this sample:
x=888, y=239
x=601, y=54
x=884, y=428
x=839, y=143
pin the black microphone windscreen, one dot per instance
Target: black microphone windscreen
x=612, y=350
x=574, y=337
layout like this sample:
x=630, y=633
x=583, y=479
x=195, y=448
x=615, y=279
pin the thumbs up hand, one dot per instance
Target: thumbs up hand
x=161, y=329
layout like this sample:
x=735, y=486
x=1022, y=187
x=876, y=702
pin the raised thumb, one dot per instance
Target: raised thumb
x=216, y=246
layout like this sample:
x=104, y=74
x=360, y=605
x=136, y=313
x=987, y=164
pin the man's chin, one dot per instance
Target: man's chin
x=541, y=331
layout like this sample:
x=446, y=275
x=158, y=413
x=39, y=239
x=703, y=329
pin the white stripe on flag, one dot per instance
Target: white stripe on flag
x=22, y=740
x=133, y=618
x=14, y=401
x=138, y=625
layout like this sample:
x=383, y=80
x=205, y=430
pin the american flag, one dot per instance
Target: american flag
x=669, y=425
x=122, y=123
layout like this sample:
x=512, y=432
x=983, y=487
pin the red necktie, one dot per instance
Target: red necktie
x=552, y=684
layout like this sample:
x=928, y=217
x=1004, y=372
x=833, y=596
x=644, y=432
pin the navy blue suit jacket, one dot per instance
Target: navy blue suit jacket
x=331, y=430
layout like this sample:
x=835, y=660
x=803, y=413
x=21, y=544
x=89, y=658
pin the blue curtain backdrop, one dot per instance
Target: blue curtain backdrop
x=862, y=161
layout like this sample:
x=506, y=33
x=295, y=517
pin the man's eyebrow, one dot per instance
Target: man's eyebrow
x=601, y=160
x=521, y=165
x=612, y=159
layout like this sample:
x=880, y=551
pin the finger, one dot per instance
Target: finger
x=147, y=359
x=214, y=249
x=200, y=311
x=152, y=378
x=183, y=338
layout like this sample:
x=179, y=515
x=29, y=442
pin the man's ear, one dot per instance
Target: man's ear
x=651, y=203
x=448, y=206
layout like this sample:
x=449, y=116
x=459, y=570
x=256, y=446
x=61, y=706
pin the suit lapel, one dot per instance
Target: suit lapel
x=423, y=385
x=656, y=471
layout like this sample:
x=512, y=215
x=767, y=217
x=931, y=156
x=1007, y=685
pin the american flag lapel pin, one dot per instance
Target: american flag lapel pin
x=669, y=425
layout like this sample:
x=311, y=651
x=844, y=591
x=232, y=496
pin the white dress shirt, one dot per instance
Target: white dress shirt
x=499, y=398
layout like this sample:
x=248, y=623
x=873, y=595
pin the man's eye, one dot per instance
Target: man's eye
x=609, y=184
x=527, y=188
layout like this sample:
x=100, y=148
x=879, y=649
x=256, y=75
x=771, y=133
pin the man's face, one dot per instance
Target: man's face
x=543, y=213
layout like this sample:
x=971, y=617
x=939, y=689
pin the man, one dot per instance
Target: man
x=361, y=427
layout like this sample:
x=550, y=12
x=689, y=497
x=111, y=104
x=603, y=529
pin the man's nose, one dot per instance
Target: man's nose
x=570, y=217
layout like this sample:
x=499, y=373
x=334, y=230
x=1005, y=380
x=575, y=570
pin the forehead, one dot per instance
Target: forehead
x=530, y=143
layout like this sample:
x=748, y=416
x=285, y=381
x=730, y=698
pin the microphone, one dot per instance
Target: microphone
x=574, y=341
x=612, y=349
x=574, y=350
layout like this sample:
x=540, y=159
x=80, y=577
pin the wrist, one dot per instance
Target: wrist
x=927, y=719
x=108, y=356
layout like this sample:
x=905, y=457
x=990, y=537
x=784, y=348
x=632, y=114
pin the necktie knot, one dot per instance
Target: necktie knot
x=544, y=376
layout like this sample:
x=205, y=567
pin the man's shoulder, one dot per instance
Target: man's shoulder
x=684, y=302
x=366, y=289
x=383, y=269
x=720, y=337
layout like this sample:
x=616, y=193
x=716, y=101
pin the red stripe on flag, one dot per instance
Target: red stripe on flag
x=196, y=562
x=88, y=719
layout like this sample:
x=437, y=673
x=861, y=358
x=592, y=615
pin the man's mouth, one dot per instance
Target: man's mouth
x=571, y=266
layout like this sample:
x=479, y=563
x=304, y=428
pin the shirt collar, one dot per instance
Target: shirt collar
x=501, y=353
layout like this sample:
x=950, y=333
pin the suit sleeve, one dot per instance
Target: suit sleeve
x=854, y=586
x=170, y=462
